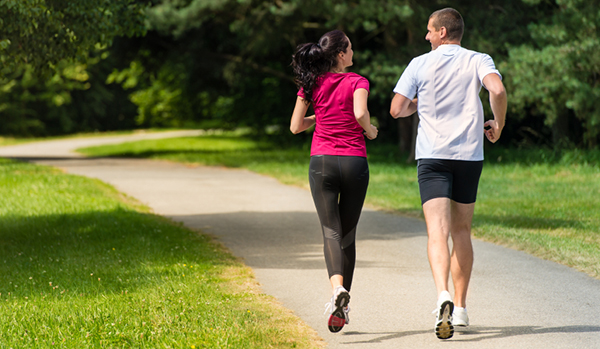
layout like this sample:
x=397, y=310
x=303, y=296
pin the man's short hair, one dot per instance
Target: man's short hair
x=451, y=20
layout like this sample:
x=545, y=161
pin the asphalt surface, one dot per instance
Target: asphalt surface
x=515, y=300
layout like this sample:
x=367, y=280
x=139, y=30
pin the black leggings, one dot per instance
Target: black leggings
x=339, y=186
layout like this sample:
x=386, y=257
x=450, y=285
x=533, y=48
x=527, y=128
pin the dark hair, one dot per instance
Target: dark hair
x=313, y=60
x=451, y=20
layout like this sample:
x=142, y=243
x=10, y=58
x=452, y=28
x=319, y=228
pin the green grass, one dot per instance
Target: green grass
x=83, y=266
x=540, y=201
x=549, y=210
x=11, y=140
x=4, y=141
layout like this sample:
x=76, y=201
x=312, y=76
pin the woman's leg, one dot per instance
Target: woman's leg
x=324, y=177
x=339, y=186
x=355, y=180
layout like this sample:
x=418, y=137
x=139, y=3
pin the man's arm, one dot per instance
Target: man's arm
x=402, y=106
x=498, y=102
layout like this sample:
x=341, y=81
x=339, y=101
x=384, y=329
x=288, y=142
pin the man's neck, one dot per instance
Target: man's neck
x=450, y=43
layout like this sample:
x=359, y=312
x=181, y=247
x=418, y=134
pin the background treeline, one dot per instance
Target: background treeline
x=72, y=66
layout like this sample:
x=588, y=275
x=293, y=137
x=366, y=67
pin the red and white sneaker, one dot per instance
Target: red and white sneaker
x=335, y=308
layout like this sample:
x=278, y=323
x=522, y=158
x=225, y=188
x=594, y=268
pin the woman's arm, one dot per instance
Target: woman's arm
x=300, y=122
x=361, y=113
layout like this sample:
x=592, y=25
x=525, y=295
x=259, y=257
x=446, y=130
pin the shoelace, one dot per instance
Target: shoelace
x=329, y=307
x=436, y=313
x=346, y=311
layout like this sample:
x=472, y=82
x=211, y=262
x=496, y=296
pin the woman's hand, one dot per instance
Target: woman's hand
x=372, y=132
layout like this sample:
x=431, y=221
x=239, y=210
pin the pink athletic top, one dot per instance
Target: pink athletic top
x=337, y=132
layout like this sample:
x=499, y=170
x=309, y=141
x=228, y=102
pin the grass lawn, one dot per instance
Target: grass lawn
x=85, y=267
x=11, y=141
x=4, y=141
x=542, y=202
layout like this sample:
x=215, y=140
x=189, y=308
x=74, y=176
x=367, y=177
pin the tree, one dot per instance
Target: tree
x=557, y=74
x=226, y=63
x=47, y=49
x=42, y=33
x=236, y=54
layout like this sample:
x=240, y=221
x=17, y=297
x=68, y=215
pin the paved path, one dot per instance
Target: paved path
x=515, y=300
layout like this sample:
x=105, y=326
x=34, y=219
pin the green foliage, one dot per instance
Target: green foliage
x=42, y=33
x=226, y=63
x=559, y=70
x=73, y=98
x=48, y=50
x=236, y=54
x=21, y=98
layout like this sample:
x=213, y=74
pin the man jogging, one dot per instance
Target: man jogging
x=449, y=150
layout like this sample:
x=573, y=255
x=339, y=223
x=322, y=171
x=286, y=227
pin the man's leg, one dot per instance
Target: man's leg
x=462, y=251
x=438, y=219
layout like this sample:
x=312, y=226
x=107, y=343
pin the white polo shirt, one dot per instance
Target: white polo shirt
x=447, y=82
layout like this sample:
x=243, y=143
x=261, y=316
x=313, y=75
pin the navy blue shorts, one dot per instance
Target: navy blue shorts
x=453, y=179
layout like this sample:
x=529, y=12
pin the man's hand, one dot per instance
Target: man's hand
x=498, y=102
x=492, y=130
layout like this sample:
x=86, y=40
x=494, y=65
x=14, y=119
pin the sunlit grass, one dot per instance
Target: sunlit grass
x=549, y=210
x=83, y=266
x=11, y=140
x=540, y=201
x=4, y=141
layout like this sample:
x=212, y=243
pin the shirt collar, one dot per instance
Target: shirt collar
x=445, y=47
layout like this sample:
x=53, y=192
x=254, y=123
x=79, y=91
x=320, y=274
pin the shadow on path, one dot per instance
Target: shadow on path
x=259, y=236
x=471, y=334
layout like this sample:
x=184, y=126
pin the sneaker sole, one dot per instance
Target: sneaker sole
x=444, y=328
x=337, y=319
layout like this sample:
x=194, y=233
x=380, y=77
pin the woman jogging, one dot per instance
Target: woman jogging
x=338, y=170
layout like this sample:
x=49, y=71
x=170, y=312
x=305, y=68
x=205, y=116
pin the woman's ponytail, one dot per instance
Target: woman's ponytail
x=313, y=60
x=308, y=64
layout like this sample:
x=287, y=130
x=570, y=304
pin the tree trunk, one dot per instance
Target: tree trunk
x=560, y=130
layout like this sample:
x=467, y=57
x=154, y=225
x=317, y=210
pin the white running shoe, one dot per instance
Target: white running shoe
x=460, y=317
x=337, y=316
x=443, y=319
